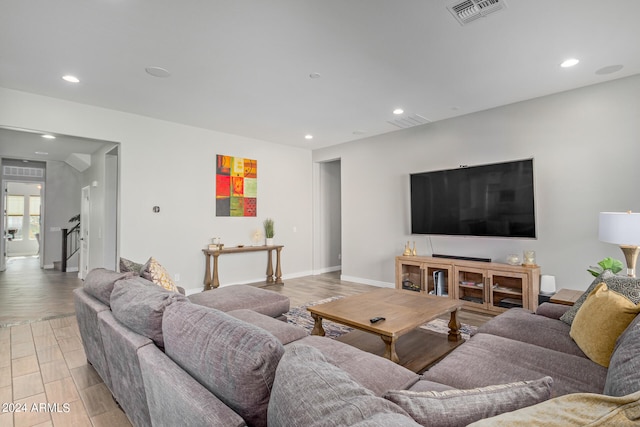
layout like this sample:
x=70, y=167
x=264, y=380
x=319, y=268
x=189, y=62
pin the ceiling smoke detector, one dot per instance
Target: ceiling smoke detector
x=470, y=10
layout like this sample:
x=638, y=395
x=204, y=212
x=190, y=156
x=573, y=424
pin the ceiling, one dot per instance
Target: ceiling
x=23, y=144
x=243, y=67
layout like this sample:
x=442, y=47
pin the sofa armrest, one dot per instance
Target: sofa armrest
x=552, y=310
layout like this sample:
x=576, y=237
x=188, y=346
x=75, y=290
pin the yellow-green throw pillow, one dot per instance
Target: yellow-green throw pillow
x=156, y=273
x=604, y=315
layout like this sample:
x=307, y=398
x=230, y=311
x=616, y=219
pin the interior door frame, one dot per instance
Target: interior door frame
x=85, y=236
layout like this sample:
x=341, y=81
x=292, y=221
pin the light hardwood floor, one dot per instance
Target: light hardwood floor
x=41, y=356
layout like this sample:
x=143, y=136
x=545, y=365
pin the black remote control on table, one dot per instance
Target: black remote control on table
x=376, y=319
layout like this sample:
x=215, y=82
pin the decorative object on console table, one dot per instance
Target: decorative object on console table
x=529, y=258
x=622, y=228
x=513, y=259
x=269, y=231
x=407, y=250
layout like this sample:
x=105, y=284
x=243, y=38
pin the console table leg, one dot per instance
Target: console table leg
x=269, y=267
x=278, y=269
x=454, y=327
x=390, y=349
x=317, y=325
x=216, y=281
x=207, y=272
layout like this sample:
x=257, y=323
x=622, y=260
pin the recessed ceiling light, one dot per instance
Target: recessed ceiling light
x=314, y=75
x=157, y=72
x=47, y=136
x=569, y=63
x=308, y=136
x=398, y=111
x=42, y=153
x=71, y=79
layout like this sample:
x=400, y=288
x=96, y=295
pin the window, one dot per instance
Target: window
x=15, y=216
x=34, y=216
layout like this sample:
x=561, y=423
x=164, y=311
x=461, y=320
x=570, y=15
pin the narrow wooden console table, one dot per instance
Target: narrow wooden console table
x=211, y=276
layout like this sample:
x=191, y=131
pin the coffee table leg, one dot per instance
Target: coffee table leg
x=390, y=349
x=454, y=327
x=317, y=325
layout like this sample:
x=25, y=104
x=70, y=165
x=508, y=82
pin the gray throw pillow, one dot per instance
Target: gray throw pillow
x=99, y=283
x=453, y=408
x=233, y=359
x=310, y=391
x=623, y=375
x=627, y=286
x=128, y=265
x=139, y=305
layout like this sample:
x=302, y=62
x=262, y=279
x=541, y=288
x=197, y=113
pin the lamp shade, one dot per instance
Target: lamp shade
x=621, y=228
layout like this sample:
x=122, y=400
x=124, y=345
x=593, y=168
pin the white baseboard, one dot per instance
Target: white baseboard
x=327, y=270
x=367, y=281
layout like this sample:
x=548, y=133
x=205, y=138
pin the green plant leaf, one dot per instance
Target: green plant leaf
x=611, y=264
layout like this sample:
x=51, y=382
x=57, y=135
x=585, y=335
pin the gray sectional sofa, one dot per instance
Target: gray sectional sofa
x=171, y=361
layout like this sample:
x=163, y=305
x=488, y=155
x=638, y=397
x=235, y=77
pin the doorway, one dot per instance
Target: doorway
x=22, y=217
x=327, y=217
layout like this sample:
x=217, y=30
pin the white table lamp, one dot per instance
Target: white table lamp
x=622, y=228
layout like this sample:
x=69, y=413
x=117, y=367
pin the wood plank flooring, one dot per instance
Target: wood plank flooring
x=41, y=356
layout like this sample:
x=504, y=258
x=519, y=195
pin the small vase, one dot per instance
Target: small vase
x=269, y=241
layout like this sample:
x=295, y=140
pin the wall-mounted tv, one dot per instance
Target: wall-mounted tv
x=494, y=200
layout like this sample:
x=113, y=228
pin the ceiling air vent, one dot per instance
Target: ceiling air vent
x=23, y=172
x=470, y=10
x=409, y=121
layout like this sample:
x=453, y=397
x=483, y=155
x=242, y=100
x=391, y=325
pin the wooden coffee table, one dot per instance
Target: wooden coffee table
x=404, y=312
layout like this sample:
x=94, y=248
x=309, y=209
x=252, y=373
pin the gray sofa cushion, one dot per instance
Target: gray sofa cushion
x=284, y=332
x=370, y=371
x=236, y=361
x=310, y=391
x=458, y=408
x=488, y=359
x=627, y=286
x=523, y=325
x=623, y=376
x=235, y=297
x=99, y=283
x=139, y=305
x=177, y=399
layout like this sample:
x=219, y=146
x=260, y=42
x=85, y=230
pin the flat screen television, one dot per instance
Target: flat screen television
x=494, y=200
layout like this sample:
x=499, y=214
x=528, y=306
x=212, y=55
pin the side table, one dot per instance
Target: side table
x=566, y=296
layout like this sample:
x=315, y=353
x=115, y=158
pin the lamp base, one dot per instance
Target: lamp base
x=631, y=255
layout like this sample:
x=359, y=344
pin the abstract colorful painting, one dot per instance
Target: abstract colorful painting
x=236, y=186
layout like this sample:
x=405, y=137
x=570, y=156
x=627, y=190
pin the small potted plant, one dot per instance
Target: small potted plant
x=611, y=264
x=268, y=231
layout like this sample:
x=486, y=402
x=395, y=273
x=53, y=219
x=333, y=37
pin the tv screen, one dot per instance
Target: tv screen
x=495, y=200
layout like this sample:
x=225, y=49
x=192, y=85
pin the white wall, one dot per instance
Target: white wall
x=173, y=166
x=586, y=149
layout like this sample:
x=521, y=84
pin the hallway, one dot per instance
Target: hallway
x=29, y=293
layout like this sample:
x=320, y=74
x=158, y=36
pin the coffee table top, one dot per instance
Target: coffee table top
x=403, y=310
